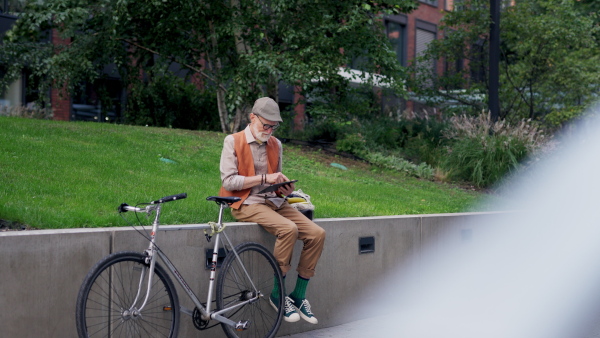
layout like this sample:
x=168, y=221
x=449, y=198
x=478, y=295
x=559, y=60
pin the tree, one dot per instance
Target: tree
x=242, y=48
x=589, y=6
x=549, y=57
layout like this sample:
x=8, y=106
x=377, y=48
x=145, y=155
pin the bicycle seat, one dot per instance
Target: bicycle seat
x=223, y=200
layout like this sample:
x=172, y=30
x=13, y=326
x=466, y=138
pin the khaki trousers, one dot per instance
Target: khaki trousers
x=288, y=225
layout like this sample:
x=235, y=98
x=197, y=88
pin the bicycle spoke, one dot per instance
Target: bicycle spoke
x=108, y=293
x=237, y=279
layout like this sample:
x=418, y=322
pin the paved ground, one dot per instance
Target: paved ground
x=358, y=329
x=370, y=328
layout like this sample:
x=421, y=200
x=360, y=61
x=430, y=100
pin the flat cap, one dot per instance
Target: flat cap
x=267, y=108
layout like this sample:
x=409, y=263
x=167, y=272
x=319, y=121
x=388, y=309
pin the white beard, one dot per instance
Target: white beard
x=259, y=135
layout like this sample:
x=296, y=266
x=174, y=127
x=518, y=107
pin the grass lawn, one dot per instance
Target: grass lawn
x=74, y=174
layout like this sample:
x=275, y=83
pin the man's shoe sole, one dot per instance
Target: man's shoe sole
x=311, y=320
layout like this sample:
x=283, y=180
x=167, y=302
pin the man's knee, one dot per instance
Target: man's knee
x=287, y=230
x=317, y=234
x=320, y=234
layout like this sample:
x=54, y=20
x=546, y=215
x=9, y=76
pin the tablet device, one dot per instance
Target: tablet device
x=276, y=186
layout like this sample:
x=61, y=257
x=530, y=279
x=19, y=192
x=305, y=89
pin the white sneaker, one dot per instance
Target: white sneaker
x=290, y=315
x=303, y=308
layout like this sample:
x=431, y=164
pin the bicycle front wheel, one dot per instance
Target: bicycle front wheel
x=105, y=304
x=252, y=277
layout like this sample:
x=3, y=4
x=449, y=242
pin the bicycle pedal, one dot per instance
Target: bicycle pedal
x=242, y=325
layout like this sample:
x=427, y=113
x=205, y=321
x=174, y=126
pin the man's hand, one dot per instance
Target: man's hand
x=286, y=189
x=276, y=178
x=279, y=178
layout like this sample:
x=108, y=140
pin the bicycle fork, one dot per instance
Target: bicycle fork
x=134, y=312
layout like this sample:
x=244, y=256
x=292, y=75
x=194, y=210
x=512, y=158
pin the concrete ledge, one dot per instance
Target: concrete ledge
x=42, y=270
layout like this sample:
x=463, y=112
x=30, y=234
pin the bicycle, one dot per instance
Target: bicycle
x=128, y=294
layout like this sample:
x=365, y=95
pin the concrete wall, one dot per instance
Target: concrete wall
x=41, y=271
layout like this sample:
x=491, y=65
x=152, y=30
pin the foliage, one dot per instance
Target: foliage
x=352, y=143
x=423, y=137
x=243, y=48
x=27, y=112
x=326, y=130
x=483, y=152
x=589, y=6
x=422, y=170
x=415, y=137
x=168, y=101
x=67, y=175
x=383, y=141
x=352, y=118
x=335, y=113
x=560, y=117
x=549, y=58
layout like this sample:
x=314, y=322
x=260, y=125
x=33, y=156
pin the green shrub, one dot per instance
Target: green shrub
x=353, y=119
x=326, y=129
x=558, y=118
x=482, y=152
x=168, y=101
x=486, y=160
x=383, y=133
x=353, y=144
x=334, y=113
x=424, y=138
x=393, y=162
x=417, y=139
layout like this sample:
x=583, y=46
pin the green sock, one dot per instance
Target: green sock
x=299, y=292
x=276, y=287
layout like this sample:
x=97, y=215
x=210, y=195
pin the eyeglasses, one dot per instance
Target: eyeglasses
x=267, y=126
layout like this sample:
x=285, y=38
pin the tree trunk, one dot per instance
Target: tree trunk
x=240, y=115
x=241, y=47
x=223, y=113
x=273, y=87
x=221, y=105
x=532, y=100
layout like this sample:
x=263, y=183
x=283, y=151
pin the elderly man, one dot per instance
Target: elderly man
x=250, y=162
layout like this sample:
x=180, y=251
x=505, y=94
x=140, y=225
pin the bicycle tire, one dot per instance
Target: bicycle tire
x=111, y=286
x=233, y=285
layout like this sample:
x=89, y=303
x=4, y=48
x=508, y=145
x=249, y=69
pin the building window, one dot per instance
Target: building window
x=425, y=33
x=11, y=6
x=395, y=29
x=478, y=56
x=423, y=39
x=99, y=101
x=461, y=5
x=452, y=69
x=430, y=2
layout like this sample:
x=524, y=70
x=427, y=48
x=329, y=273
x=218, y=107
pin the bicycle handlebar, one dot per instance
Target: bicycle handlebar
x=126, y=207
x=170, y=198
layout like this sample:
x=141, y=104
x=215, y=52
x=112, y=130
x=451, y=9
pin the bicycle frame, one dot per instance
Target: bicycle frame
x=206, y=312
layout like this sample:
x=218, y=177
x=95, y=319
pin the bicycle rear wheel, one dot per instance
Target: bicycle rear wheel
x=106, y=298
x=234, y=286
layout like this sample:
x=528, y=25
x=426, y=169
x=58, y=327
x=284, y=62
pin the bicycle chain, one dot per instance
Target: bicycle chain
x=199, y=323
